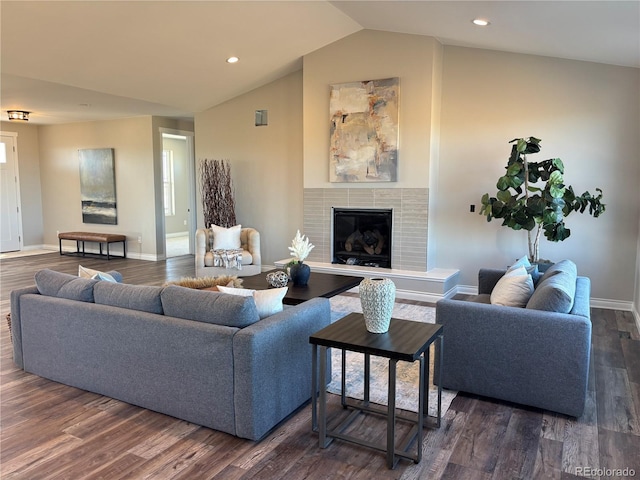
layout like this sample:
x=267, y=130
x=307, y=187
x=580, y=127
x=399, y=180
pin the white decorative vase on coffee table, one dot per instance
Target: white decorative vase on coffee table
x=377, y=296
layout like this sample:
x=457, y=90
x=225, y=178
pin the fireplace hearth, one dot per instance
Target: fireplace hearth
x=362, y=236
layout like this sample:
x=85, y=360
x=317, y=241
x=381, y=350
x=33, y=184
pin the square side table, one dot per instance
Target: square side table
x=406, y=340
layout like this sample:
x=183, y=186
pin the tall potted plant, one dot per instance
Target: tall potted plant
x=523, y=204
x=218, y=205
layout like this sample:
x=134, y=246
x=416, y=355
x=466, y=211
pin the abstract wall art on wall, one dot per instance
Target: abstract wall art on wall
x=98, y=186
x=364, y=131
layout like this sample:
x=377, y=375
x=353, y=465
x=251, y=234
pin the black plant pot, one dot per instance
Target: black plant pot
x=299, y=273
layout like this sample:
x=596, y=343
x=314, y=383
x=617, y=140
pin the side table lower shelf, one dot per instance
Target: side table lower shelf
x=416, y=349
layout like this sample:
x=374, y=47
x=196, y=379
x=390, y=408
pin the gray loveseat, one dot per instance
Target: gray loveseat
x=201, y=356
x=524, y=355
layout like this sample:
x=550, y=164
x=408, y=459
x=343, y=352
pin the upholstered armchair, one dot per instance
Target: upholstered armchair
x=251, y=260
x=537, y=356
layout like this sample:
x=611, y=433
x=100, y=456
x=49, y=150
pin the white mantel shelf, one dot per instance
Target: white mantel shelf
x=429, y=286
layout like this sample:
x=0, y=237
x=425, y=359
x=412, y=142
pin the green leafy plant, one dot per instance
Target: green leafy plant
x=522, y=204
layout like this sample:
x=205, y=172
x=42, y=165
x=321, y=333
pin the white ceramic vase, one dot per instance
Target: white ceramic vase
x=377, y=296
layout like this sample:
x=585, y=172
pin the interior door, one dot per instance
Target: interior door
x=9, y=195
x=179, y=188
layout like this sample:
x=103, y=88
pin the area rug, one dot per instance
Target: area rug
x=407, y=374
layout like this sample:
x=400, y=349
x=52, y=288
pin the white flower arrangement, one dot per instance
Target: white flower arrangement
x=300, y=247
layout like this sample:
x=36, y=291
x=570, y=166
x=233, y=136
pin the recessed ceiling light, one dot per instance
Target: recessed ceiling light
x=232, y=59
x=481, y=22
x=18, y=115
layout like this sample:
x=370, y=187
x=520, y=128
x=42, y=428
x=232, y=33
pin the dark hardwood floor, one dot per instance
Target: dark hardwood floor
x=50, y=430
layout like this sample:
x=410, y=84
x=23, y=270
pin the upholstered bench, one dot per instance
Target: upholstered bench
x=99, y=238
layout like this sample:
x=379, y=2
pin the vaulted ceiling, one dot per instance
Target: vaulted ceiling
x=68, y=61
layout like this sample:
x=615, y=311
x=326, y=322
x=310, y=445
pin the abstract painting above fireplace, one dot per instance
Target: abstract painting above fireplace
x=364, y=131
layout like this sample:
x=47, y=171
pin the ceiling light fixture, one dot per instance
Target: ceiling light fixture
x=18, y=115
x=232, y=59
x=481, y=22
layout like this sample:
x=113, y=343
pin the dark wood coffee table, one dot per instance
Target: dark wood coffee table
x=325, y=285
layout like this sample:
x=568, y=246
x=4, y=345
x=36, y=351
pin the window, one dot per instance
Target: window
x=168, y=183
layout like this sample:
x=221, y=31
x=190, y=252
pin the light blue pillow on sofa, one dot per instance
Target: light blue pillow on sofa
x=556, y=289
x=531, y=269
x=521, y=262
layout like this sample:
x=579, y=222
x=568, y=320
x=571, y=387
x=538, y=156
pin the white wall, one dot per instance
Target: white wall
x=131, y=140
x=585, y=113
x=266, y=162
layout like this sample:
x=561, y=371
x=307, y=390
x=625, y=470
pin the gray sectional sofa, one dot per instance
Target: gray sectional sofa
x=538, y=355
x=201, y=356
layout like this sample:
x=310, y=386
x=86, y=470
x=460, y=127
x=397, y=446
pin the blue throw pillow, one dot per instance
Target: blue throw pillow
x=209, y=307
x=531, y=269
x=145, y=298
x=63, y=285
x=556, y=289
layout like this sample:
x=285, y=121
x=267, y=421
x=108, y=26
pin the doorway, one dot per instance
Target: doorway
x=177, y=183
x=10, y=219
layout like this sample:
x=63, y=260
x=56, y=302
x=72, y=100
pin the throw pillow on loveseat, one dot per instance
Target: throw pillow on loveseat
x=556, y=289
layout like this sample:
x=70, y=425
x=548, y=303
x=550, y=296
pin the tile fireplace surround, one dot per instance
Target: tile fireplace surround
x=409, y=242
x=410, y=206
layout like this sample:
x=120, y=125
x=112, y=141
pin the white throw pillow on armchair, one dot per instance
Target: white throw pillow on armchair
x=514, y=289
x=226, y=238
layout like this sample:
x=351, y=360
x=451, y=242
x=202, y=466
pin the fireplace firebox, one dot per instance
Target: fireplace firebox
x=362, y=236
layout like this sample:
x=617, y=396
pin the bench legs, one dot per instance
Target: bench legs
x=83, y=253
x=124, y=249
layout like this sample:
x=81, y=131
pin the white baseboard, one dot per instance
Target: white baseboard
x=95, y=250
x=467, y=290
x=595, y=302
x=612, y=304
x=177, y=234
x=53, y=248
x=150, y=257
x=28, y=248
